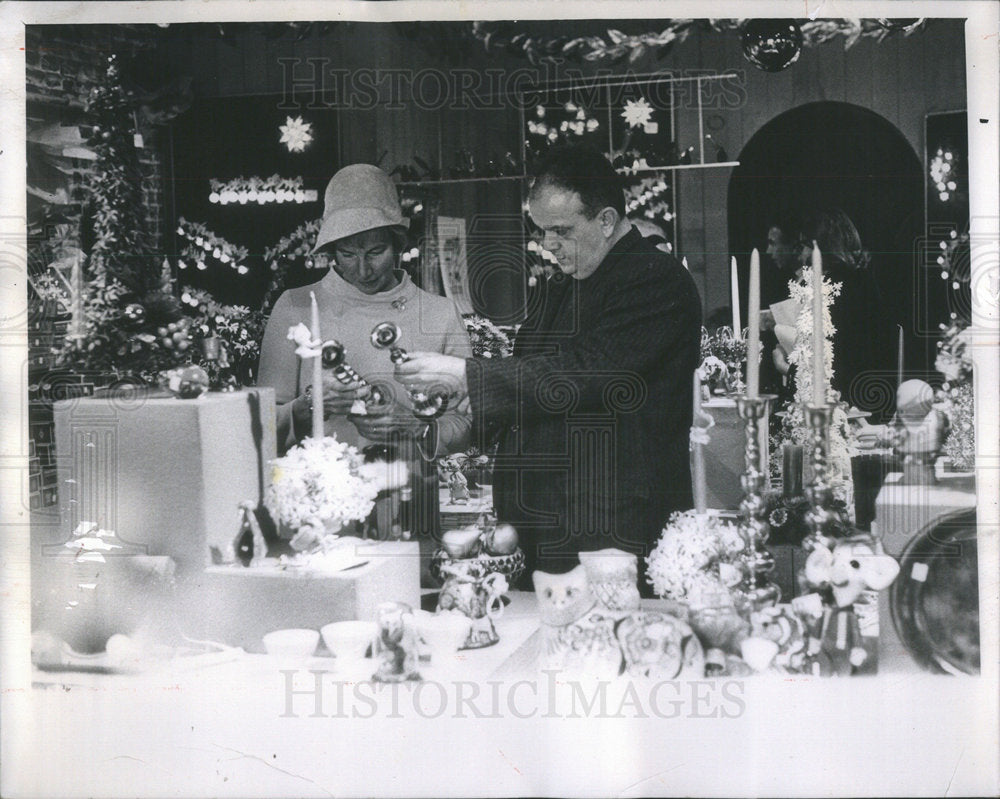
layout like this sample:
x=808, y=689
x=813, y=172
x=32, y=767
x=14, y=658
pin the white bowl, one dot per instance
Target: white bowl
x=444, y=632
x=291, y=643
x=349, y=639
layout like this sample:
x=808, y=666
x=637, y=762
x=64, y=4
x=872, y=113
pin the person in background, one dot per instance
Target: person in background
x=363, y=232
x=864, y=337
x=594, y=407
x=783, y=256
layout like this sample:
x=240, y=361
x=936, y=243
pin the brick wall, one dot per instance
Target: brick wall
x=62, y=65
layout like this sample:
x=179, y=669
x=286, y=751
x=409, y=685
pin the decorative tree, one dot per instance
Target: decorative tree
x=125, y=296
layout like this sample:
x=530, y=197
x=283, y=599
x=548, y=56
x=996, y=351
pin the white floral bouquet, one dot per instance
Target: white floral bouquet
x=321, y=485
x=956, y=396
x=953, y=359
x=958, y=404
x=697, y=557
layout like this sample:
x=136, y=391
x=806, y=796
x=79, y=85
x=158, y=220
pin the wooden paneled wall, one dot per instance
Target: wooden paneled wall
x=902, y=79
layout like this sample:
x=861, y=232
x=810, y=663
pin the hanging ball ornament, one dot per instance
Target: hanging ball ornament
x=772, y=44
x=134, y=313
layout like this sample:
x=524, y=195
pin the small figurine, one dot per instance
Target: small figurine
x=396, y=646
x=582, y=638
x=248, y=547
x=920, y=432
x=853, y=566
x=785, y=633
x=458, y=488
x=478, y=593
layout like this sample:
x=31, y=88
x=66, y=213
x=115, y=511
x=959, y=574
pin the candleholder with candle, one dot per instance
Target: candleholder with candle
x=756, y=590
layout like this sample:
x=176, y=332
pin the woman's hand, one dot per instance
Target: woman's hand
x=337, y=400
x=381, y=428
x=780, y=360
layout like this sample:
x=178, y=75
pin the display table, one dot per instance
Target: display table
x=256, y=725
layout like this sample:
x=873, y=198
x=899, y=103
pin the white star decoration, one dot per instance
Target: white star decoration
x=637, y=113
x=296, y=134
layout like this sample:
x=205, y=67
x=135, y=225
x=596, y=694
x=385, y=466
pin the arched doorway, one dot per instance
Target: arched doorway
x=835, y=154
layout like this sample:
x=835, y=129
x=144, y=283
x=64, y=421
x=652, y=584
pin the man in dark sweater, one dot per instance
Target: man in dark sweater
x=594, y=408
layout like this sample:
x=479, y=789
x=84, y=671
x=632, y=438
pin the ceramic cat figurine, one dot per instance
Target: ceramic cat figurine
x=583, y=638
x=562, y=598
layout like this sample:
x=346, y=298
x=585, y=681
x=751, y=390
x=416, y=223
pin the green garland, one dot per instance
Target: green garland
x=617, y=46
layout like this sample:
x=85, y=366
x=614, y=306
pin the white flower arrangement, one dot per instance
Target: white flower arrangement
x=960, y=446
x=696, y=557
x=323, y=484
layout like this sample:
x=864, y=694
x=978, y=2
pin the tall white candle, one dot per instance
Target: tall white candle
x=317, y=375
x=819, y=342
x=753, y=337
x=698, y=457
x=735, y=291
x=899, y=358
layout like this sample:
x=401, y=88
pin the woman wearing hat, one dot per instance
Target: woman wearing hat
x=363, y=233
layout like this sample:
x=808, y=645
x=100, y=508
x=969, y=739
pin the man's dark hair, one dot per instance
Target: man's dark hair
x=585, y=171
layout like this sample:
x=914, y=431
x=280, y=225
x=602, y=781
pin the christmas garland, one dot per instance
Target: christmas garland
x=617, y=46
x=208, y=244
x=291, y=251
x=841, y=441
x=262, y=191
x=956, y=395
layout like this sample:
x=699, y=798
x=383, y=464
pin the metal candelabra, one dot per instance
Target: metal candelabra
x=822, y=517
x=757, y=589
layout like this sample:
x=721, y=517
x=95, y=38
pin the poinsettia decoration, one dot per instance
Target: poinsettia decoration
x=637, y=113
x=296, y=134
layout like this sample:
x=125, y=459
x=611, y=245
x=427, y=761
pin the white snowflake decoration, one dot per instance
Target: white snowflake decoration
x=296, y=134
x=637, y=113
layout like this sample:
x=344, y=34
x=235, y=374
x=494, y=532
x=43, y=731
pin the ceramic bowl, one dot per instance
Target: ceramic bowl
x=291, y=643
x=349, y=639
x=444, y=632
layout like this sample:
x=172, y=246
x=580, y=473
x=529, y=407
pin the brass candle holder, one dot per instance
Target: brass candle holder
x=822, y=517
x=756, y=589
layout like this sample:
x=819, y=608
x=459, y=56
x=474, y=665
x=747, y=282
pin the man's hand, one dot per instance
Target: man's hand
x=433, y=373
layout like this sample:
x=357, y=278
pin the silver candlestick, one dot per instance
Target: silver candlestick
x=822, y=517
x=757, y=589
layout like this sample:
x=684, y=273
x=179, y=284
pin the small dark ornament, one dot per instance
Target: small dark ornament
x=772, y=44
x=134, y=314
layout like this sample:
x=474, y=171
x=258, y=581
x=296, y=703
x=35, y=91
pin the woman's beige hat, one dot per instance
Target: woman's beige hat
x=359, y=197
